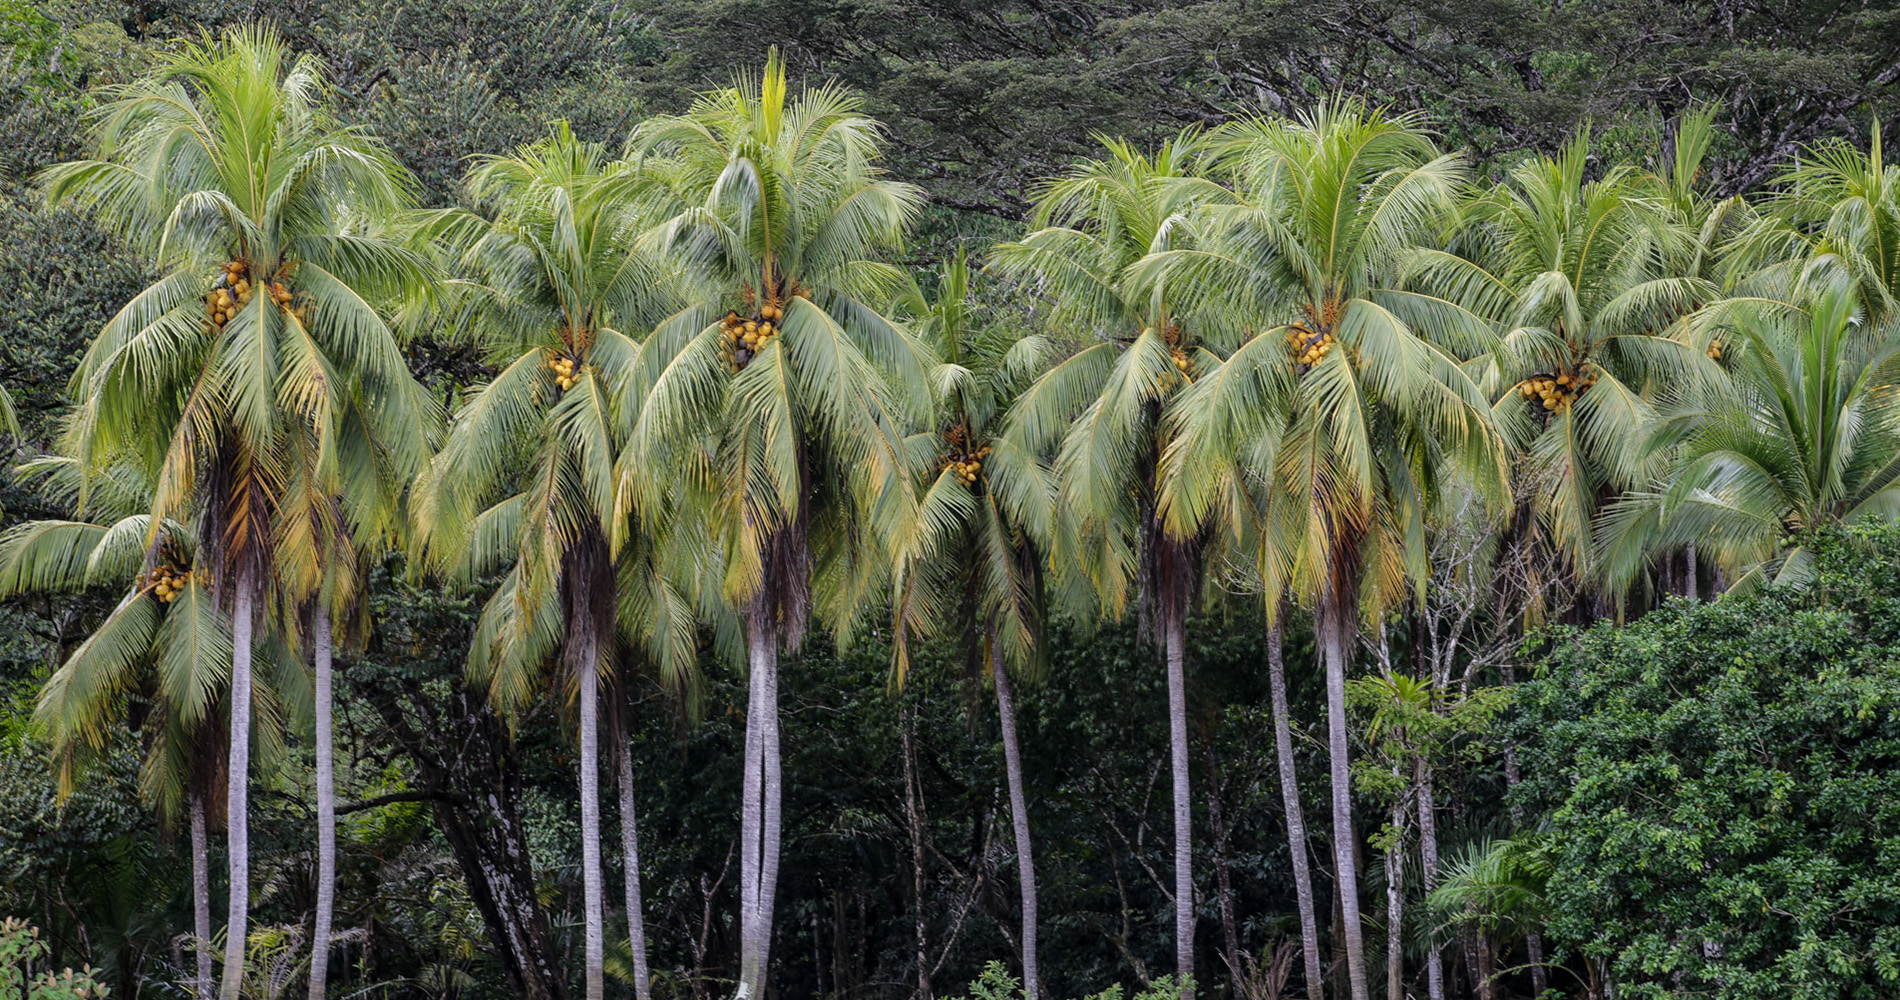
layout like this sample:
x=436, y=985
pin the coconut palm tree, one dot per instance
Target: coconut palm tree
x=1574, y=275
x=1836, y=203
x=1350, y=405
x=227, y=169
x=158, y=662
x=1804, y=433
x=553, y=287
x=790, y=410
x=1103, y=409
x=985, y=504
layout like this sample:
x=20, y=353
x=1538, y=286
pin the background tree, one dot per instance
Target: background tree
x=986, y=502
x=162, y=655
x=1106, y=406
x=524, y=486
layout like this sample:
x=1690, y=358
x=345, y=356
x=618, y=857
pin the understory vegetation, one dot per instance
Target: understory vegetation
x=914, y=499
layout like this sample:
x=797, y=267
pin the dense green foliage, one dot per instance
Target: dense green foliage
x=1718, y=785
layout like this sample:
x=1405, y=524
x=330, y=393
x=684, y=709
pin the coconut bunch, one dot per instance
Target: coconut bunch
x=1309, y=346
x=1547, y=392
x=234, y=290
x=963, y=460
x=230, y=293
x=965, y=465
x=745, y=336
x=1715, y=350
x=1180, y=360
x=564, y=368
x=167, y=582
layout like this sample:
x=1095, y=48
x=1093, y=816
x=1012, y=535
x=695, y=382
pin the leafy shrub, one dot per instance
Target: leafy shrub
x=20, y=950
x=1721, y=783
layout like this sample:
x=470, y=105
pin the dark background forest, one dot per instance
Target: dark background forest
x=981, y=98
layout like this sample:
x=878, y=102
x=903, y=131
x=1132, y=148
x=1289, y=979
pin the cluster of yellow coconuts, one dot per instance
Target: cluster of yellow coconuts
x=563, y=368
x=1715, y=350
x=1548, y=392
x=1309, y=346
x=234, y=290
x=966, y=466
x=746, y=336
x=167, y=583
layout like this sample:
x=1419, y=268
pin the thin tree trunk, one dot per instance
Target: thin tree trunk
x=913, y=813
x=1295, y=817
x=587, y=667
x=1395, y=904
x=1488, y=981
x=1335, y=630
x=1692, y=588
x=201, y=893
x=630, y=851
x=1183, y=804
x=458, y=745
x=1019, y=818
x=1223, y=873
x=237, y=792
x=1428, y=863
x=326, y=806
x=759, y=818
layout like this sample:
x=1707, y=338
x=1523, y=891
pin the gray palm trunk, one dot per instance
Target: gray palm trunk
x=1295, y=816
x=759, y=813
x=1428, y=872
x=1019, y=820
x=237, y=792
x=587, y=670
x=1395, y=904
x=1183, y=804
x=326, y=807
x=201, y=894
x=1335, y=631
x=630, y=850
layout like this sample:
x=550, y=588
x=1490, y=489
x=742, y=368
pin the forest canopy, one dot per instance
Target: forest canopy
x=908, y=498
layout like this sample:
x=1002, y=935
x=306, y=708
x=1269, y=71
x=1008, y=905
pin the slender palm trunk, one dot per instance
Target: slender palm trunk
x=914, y=815
x=759, y=817
x=237, y=793
x=587, y=668
x=1295, y=817
x=1395, y=903
x=630, y=850
x=201, y=893
x=1019, y=819
x=1428, y=872
x=1335, y=632
x=769, y=838
x=1183, y=803
x=326, y=807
